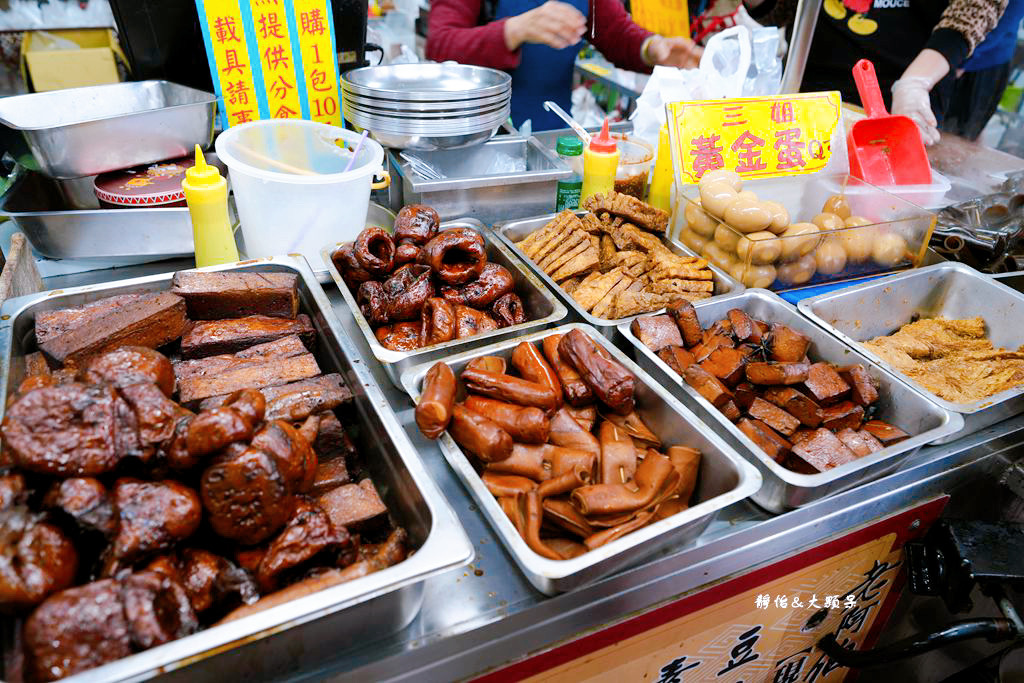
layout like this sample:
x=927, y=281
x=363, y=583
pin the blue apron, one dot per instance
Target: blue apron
x=544, y=73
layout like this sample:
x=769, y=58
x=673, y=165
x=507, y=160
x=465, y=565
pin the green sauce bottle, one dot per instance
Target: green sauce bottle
x=567, y=194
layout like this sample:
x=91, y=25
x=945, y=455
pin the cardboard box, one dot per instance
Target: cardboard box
x=52, y=65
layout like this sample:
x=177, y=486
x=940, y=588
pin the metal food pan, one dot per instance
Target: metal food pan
x=784, y=489
x=949, y=290
x=264, y=645
x=724, y=478
x=86, y=131
x=511, y=232
x=542, y=309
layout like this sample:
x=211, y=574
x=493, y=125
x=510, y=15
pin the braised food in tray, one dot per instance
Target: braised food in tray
x=145, y=495
x=423, y=286
x=558, y=442
x=808, y=416
x=613, y=262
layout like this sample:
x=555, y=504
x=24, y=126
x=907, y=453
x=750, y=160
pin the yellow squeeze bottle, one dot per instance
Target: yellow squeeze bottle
x=600, y=160
x=660, y=195
x=206, y=193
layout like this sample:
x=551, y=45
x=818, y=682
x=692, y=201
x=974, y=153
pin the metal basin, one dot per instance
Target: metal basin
x=426, y=81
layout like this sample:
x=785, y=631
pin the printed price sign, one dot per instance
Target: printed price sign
x=758, y=137
x=272, y=59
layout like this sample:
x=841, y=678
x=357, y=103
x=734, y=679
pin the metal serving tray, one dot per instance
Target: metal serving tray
x=263, y=645
x=542, y=309
x=87, y=131
x=950, y=290
x=784, y=489
x=511, y=232
x=724, y=477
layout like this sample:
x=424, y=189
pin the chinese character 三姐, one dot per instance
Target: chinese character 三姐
x=873, y=583
x=232, y=62
x=831, y=601
x=224, y=30
x=275, y=56
x=707, y=154
x=788, y=669
x=850, y=602
x=237, y=92
x=790, y=148
x=824, y=665
x=782, y=112
x=796, y=602
x=673, y=671
x=312, y=22
x=270, y=25
x=280, y=88
x=748, y=151
x=242, y=115
x=743, y=652
x=734, y=116
x=781, y=601
x=285, y=112
x=763, y=601
x=318, y=79
x=813, y=604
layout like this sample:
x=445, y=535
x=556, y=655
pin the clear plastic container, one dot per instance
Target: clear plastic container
x=634, y=169
x=291, y=188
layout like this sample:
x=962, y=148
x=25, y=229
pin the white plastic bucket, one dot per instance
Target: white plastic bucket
x=291, y=190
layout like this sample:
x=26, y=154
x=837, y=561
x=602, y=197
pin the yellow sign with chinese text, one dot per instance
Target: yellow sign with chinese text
x=758, y=137
x=316, y=43
x=664, y=17
x=273, y=43
x=228, y=53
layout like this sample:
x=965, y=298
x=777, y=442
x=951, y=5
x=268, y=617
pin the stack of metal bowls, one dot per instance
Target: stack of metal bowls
x=427, y=106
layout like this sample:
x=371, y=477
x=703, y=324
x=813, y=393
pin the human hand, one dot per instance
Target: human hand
x=555, y=24
x=910, y=99
x=680, y=52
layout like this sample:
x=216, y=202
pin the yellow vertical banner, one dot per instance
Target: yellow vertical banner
x=277, y=63
x=665, y=17
x=316, y=45
x=228, y=54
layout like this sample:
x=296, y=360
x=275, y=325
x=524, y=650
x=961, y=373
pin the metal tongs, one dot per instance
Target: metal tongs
x=421, y=167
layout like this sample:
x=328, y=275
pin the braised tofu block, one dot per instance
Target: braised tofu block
x=354, y=506
x=677, y=358
x=36, y=365
x=796, y=404
x=860, y=442
x=214, y=337
x=823, y=450
x=773, y=416
x=151, y=320
x=744, y=394
x=862, y=389
x=765, y=438
x=256, y=372
x=296, y=401
x=212, y=296
x=743, y=328
x=51, y=324
x=844, y=415
x=330, y=474
x=786, y=344
x=731, y=411
x=286, y=347
x=707, y=385
x=708, y=346
x=656, y=332
x=726, y=364
x=777, y=373
x=886, y=433
x=332, y=441
x=685, y=316
x=801, y=434
x=825, y=385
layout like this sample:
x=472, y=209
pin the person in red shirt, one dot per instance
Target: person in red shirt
x=537, y=41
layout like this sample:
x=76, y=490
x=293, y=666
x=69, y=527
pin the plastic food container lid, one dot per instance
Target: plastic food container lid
x=148, y=185
x=569, y=145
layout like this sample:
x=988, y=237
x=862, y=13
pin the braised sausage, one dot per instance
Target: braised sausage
x=577, y=392
x=434, y=411
x=523, y=424
x=611, y=382
x=438, y=320
x=478, y=435
x=531, y=365
x=495, y=364
x=512, y=389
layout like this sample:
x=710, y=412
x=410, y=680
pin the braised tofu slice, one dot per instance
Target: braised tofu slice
x=765, y=437
x=212, y=296
x=719, y=328
x=777, y=373
x=677, y=358
x=862, y=389
x=707, y=347
x=726, y=364
x=844, y=415
x=707, y=385
x=686, y=319
x=801, y=435
x=860, y=442
x=886, y=433
x=796, y=404
x=786, y=344
x=825, y=385
x=823, y=451
x=330, y=474
x=773, y=416
x=656, y=332
x=744, y=394
x=353, y=506
x=743, y=327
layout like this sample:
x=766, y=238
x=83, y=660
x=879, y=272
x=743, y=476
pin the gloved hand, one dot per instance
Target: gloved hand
x=910, y=99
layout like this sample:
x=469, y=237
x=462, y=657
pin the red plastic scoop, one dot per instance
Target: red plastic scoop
x=884, y=149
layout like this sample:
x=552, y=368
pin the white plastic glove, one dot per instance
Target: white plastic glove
x=910, y=99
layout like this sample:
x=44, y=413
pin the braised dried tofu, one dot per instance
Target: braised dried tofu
x=332, y=441
x=731, y=411
x=886, y=433
x=825, y=385
x=330, y=474
x=702, y=351
x=230, y=335
x=354, y=506
x=744, y=394
x=844, y=415
x=726, y=364
x=787, y=345
x=212, y=296
x=686, y=319
x=656, y=332
x=795, y=403
x=677, y=358
x=743, y=327
x=50, y=324
x=862, y=389
x=823, y=451
x=773, y=416
x=777, y=373
x=860, y=442
x=774, y=446
x=296, y=401
x=707, y=385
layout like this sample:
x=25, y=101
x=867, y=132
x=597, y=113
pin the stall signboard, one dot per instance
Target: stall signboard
x=758, y=137
x=272, y=59
x=761, y=627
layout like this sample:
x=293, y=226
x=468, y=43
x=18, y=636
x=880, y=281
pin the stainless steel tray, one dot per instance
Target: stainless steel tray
x=511, y=232
x=542, y=308
x=950, y=290
x=724, y=477
x=263, y=645
x=86, y=131
x=784, y=489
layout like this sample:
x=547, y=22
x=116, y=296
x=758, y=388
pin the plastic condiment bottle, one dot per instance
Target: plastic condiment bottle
x=567, y=192
x=600, y=160
x=206, y=193
x=663, y=178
